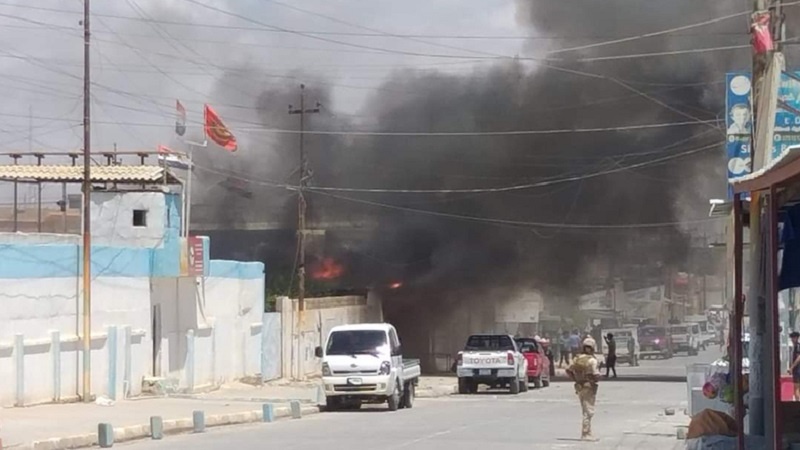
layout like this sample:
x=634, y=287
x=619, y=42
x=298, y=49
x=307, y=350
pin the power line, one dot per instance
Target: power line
x=417, y=133
x=572, y=226
x=346, y=33
x=523, y=186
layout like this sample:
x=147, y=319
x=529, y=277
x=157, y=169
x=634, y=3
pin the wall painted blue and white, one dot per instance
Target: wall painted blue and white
x=135, y=264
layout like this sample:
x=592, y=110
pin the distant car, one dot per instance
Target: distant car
x=683, y=338
x=655, y=342
x=538, y=363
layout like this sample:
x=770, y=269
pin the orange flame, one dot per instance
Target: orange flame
x=327, y=269
x=396, y=285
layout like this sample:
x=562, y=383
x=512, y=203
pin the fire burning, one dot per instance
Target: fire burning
x=396, y=285
x=326, y=269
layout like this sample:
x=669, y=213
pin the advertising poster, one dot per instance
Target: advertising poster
x=739, y=121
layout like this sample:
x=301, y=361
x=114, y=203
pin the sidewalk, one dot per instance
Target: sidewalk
x=55, y=427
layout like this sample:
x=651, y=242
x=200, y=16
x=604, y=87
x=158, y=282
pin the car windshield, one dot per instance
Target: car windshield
x=527, y=345
x=678, y=330
x=653, y=331
x=357, y=342
x=489, y=343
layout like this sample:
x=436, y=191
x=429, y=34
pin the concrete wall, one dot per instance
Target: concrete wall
x=303, y=331
x=211, y=326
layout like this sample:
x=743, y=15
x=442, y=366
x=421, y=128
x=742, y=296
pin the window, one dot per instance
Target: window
x=490, y=343
x=139, y=218
x=357, y=342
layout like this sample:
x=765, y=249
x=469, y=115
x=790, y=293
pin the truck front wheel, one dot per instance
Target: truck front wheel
x=394, y=399
x=332, y=404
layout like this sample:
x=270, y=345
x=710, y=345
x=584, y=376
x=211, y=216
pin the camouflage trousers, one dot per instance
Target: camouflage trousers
x=587, y=394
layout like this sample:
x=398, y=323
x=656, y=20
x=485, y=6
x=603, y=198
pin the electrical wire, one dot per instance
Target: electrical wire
x=571, y=226
x=520, y=186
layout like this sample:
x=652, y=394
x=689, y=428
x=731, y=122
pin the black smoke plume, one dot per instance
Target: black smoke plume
x=448, y=264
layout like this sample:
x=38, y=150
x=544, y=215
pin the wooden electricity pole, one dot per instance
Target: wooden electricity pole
x=87, y=213
x=301, y=200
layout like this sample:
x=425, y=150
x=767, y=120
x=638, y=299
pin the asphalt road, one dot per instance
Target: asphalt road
x=629, y=416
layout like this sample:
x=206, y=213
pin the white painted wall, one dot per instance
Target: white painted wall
x=36, y=308
x=229, y=347
x=112, y=219
x=304, y=331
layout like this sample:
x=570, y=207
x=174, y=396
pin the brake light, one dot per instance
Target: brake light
x=534, y=362
x=510, y=359
x=460, y=359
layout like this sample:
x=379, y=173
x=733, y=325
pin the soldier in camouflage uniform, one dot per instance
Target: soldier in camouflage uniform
x=585, y=373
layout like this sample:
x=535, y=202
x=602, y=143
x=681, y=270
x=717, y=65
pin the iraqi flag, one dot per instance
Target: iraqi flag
x=180, y=118
x=171, y=159
x=217, y=131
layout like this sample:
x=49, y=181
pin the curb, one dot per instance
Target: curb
x=171, y=427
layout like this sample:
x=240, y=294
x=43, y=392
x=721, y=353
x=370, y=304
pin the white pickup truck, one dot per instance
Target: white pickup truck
x=493, y=360
x=364, y=364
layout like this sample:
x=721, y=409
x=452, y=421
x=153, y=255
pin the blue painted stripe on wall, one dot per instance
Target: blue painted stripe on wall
x=236, y=269
x=61, y=261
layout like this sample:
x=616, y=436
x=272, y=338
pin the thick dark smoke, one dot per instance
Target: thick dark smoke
x=448, y=264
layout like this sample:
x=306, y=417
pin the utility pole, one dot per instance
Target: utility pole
x=87, y=213
x=301, y=199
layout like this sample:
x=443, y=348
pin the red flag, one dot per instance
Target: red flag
x=217, y=131
x=164, y=150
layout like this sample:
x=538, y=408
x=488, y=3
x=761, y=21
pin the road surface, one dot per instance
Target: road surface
x=629, y=416
x=675, y=366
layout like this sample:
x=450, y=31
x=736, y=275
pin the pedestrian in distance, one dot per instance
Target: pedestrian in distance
x=611, y=359
x=585, y=374
x=794, y=368
x=632, y=351
x=547, y=343
x=555, y=347
x=575, y=343
x=564, y=344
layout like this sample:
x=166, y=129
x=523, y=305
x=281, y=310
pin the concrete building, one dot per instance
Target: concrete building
x=161, y=308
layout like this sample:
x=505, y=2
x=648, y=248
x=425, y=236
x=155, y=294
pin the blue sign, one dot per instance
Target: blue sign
x=787, y=122
x=739, y=122
x=739, y=125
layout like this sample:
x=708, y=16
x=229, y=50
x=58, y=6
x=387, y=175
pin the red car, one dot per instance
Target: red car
x=538, y=363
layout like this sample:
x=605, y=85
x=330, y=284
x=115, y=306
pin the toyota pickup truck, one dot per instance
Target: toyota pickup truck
x=493, y=360
x=364, y=364
x=538, y=364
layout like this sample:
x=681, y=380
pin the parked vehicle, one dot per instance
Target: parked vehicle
x=655, y=342
x=622, y=336
x=684, y=338
x=538, y=364
x=364, y=364
x=493, y=360
x=708, y=334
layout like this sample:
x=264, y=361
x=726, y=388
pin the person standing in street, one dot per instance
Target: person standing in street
x=574, y=343
x=794, y=368
x=563, y=342
x=632, y=351
x=611, y=358
x=585, y=374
